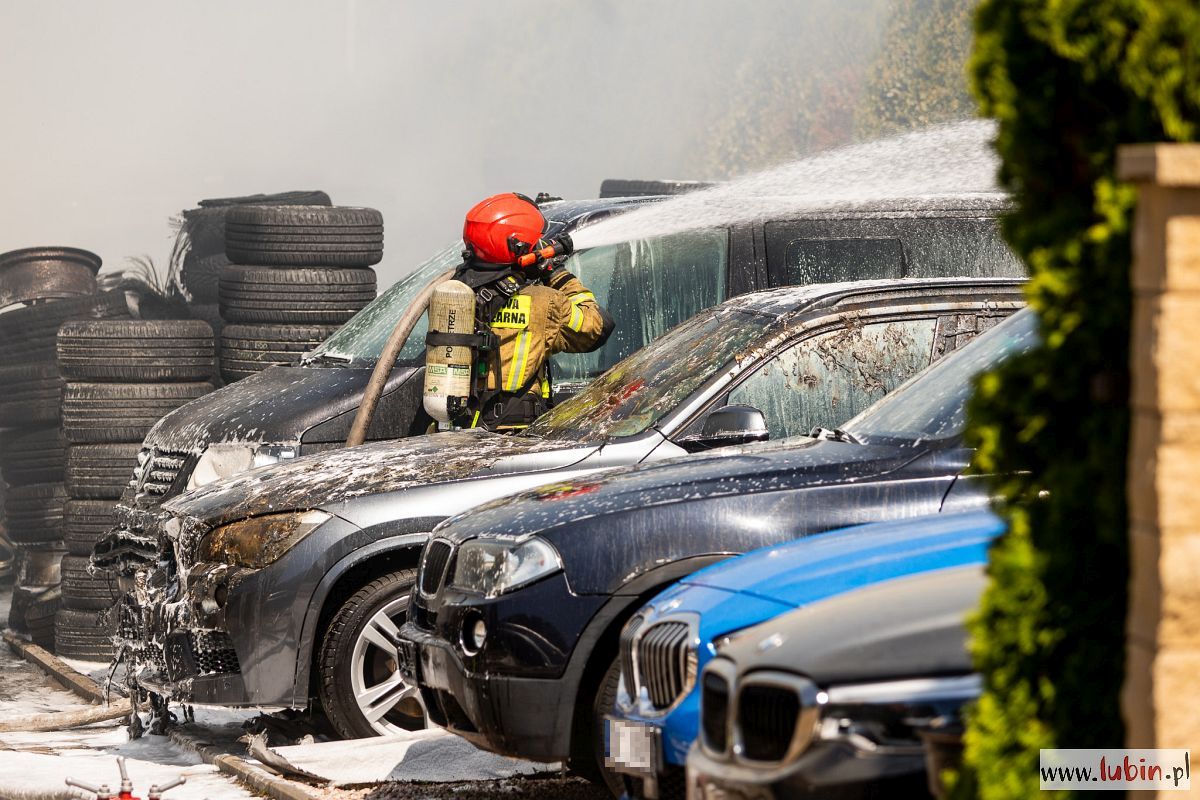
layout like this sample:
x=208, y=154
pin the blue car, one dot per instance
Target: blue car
x=669, y=641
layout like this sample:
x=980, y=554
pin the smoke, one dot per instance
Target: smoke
x=119, y=114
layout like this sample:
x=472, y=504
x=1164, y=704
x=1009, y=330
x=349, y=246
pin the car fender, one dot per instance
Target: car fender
x=582, y=668
x=405, y=534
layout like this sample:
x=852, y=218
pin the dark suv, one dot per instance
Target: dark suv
x=648, y=285
x=515, y=626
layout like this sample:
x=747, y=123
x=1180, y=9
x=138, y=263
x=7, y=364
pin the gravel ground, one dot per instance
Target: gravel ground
x=532, y=788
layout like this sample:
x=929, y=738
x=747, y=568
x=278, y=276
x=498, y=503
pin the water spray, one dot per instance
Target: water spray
x=947, y=161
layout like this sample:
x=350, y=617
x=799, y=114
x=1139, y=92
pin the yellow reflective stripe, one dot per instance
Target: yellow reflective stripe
x=516, y=372
x=576, y=321
x=580, y=297
x=475, y=420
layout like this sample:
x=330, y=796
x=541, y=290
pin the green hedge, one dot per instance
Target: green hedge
x=1069, y=81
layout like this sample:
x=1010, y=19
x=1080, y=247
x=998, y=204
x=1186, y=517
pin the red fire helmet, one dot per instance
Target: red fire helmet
x=500, y=218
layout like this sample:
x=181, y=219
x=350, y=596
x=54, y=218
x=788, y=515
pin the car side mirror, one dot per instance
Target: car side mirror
x=728, y=426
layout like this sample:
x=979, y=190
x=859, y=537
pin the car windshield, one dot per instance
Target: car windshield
x=932, y=405
x=640, y=390
x=360, y=341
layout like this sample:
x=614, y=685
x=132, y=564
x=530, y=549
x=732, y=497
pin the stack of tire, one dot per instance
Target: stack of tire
x=202, y=244
x=42, y=287
x=296, y=274
x=121, y=377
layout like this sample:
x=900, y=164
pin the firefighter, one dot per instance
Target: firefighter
x=527, y=308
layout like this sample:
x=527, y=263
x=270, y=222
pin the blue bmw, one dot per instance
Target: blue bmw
x=670, y=640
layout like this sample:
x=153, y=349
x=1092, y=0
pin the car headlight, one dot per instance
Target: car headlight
x=223, y=460
x=259, y=541
x=493, y=567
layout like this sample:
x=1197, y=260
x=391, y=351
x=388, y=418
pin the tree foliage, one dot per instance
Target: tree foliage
x=919, y=77
x=1069, y=81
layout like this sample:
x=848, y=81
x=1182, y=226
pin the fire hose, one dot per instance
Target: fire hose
x=387, y=360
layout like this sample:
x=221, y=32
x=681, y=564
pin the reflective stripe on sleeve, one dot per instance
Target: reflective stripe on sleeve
x=576, y=321
x=516, y=370
x=580, y=297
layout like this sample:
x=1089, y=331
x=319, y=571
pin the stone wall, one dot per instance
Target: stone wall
x=1161, y=697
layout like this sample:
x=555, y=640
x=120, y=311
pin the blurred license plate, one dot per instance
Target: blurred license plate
x=633, y=747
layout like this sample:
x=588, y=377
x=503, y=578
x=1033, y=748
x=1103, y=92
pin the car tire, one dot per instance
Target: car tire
x=606, y=697
x=351, y=668
x=303, y=296
x=100, y=471
x=247, y=349
x=136, y=350
x=28, y=335
x=34, y=513
x=39, y=615
x=32, y=455
x=84, y=635
x=85, y=591
x=84, y=522
x=304, y=236
x=121, y=412
x=32, y=394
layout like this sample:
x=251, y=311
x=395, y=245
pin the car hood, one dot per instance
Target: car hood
x=818, y=567
x=328, y=478
x=910, y=627
x=553, y=510
x=249, y=410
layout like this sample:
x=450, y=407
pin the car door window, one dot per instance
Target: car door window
x=828, y=378
x=648, y=286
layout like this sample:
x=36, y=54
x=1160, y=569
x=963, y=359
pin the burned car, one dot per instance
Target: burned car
x=831, y=699
x=298, y=575
x=648, y=285
x=514, y=631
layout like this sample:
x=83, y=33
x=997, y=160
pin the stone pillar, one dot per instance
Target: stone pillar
x=1161, y=697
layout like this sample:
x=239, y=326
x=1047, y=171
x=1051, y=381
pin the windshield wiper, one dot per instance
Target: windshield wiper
x=833, y=435
x=325, y=358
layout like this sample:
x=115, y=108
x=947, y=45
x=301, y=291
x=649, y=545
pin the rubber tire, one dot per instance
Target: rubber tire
x=40, y=614
x=136, y=350
x=121, y=412
x=22, y=596
x=84, y=522
x=247, y=349
x=84, y=591
x=337, y=648
x=34, y=513
x=32, y=394
x=32, y=455
x=304, y=236
x=85, y=635
x=606, y=697
x=100, y=471
x=28, y=334
x=294, y=296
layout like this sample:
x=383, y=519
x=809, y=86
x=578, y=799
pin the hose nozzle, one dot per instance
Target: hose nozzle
x=552, y=249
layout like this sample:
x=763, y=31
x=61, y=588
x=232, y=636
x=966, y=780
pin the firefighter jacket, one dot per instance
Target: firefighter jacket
x=558, y=316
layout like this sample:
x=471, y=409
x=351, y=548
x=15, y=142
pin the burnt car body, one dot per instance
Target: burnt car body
x=831, y=699
x=531, y=671
x=260, y=567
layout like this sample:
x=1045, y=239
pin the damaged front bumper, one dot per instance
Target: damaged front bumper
x=216, y=634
